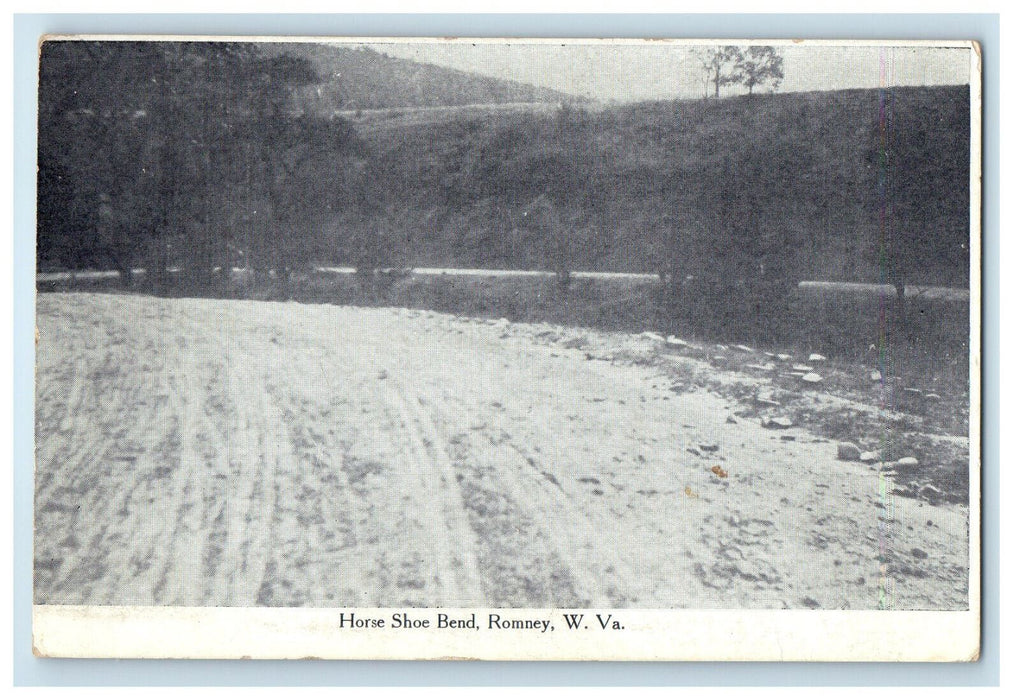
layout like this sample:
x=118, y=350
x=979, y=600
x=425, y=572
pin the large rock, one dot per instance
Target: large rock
x=848, y=452
x=876, y=376
x=907, y=462
x=777, y=422
x=869, y=457
x=815, y=357
x=811, y=378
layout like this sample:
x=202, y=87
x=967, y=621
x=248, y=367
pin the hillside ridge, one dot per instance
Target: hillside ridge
x=362, y=77
x=805, y=175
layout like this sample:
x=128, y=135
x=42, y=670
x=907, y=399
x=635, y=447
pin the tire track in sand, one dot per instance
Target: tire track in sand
x=525, y=562
x=436, y=496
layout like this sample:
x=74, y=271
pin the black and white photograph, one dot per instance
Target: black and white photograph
x=513, y=342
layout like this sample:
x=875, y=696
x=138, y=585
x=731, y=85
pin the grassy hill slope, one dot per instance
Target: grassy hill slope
x=837, y=185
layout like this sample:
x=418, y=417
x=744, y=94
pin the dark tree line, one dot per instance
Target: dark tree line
x=538, y=190
x=201, y=156
x=187, y=155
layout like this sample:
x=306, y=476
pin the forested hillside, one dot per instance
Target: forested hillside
x=199, y=156
x=818, y=184
x=186, y=154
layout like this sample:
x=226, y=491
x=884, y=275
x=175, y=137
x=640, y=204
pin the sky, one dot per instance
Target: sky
x=655, y=70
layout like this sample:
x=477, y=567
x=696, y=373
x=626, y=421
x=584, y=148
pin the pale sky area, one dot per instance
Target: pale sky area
x=654, y=70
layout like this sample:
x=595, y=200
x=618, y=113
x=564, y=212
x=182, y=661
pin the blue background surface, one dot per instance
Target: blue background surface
x=29, y=670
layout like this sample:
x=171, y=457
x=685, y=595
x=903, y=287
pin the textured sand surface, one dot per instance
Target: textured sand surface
x=207, y=452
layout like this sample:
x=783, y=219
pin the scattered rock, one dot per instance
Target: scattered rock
x=770, y=354
x=919, y=553
x=876, y=376
x=674, y=342
x=694, y=451
x=722, y=347
x=743, y=348
x=815, y=357
x=869, y=457
x=720, y=472
x=784, y=357
x=383, y=374
x=653, y=336
x=777, y=422
x=690, y=492
x=848, y=452
x=731, y=419
x=762, y=368
x=767, y=397
x=798, y=375
x=709, y=447
x=787, y=438
x=719, y=358
x=811, y=378
x=908, y=462
x=930, y=493
x=802, y=368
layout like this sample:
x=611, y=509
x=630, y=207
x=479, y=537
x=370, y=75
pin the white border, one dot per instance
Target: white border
x=648, y=635
x=634, y=41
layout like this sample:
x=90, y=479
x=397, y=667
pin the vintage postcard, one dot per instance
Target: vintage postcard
x=508, y=349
